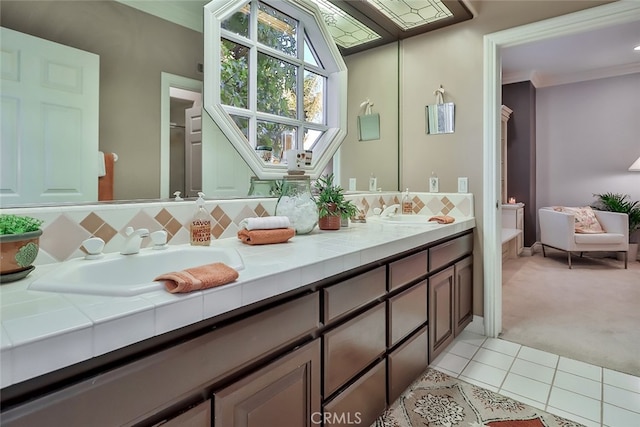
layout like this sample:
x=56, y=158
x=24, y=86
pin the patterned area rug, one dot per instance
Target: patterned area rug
x=436, y=400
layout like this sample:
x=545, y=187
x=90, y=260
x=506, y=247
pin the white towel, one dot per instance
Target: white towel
x=265, y=223
x=102, y=169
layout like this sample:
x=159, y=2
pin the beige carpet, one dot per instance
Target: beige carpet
x=438, y=400
x=590, y=313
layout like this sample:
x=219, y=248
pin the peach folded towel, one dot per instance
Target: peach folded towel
x=265, y=237
x=198, y=278
x=442, y=219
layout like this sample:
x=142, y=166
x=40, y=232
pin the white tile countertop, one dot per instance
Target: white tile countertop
x=45, y=331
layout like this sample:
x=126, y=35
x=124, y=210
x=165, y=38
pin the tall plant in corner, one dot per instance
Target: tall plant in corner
x=617, y=202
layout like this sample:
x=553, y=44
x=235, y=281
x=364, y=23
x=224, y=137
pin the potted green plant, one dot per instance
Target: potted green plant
x=617, y=202
x=332, y=206
x=19, y=245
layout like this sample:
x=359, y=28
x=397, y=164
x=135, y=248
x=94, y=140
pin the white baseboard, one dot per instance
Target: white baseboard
x=533, y=249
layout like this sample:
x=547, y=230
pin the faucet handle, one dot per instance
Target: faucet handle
x=142, y=232
x=159, y=239
x=93, y=246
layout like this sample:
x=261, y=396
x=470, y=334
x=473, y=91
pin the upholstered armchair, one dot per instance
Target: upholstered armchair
x=557, y=230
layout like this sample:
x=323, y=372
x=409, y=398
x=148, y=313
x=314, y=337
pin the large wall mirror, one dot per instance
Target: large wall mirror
x=277, y=82
x=135, y=49
x=145, y=49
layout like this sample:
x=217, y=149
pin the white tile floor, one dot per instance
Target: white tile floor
x=588, y=394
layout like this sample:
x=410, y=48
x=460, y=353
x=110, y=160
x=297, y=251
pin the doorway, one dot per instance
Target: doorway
x=597, y=17
x=178, y=94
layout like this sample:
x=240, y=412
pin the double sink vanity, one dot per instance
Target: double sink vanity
x=327, y=329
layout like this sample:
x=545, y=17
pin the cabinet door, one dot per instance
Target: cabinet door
x=284, y=393
x=463, y=308
x=441, y=298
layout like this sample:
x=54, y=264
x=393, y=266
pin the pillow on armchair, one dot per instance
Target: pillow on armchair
x=585, y=219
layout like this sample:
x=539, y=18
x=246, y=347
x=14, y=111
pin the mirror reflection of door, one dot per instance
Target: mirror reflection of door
x=185, y=145
x=193, y=149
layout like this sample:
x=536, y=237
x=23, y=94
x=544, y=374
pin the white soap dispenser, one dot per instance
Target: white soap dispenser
x=407, y=203
x=200, y=226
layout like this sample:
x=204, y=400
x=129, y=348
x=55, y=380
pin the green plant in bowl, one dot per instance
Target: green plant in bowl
x=332, y=205
x=19, y=245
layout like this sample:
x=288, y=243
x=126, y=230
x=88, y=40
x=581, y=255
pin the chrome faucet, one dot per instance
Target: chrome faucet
x=134, y=239
x=389, y=211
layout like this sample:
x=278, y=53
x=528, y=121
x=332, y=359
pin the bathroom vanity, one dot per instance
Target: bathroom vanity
x=369, y=307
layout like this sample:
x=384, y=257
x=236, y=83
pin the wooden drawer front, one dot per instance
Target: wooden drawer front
x=361, y=403
x=407, y=362
x=407, y=311
x=199, y=416
x=408, y=269
x=133, y=392
x=346, y=296
x=286, y=392
x=447, y=252
x=349, y=348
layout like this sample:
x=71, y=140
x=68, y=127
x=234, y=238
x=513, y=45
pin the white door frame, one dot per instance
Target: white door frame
x=590, y=19
x=169, y=81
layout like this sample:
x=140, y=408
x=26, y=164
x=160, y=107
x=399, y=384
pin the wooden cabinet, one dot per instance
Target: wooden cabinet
x=138, y=390
x=463, y=294
x=450, y=291
x=286, y=392
x=336, y=353
x=441, y=330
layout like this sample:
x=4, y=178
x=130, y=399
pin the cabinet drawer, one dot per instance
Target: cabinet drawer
x=407, y=269
x=286, y=392
x=346, y=296
x=361, y=403
x=407, y=311
x=349, y=348
x=447, y=252
x=407, y=362
x=199, y=416
x=133, y=392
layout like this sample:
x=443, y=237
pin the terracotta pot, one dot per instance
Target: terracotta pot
x=18, y=251
x=329, y=222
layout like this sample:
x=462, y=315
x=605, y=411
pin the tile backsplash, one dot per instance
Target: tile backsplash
x=66, y=227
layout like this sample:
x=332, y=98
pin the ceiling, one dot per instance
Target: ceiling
x=594, y=54
x=356, y=25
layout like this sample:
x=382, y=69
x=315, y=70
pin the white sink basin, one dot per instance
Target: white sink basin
x=422, y=220
x=126, y=275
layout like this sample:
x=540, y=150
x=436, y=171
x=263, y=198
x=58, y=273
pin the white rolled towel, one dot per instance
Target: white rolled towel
x=265, y=223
